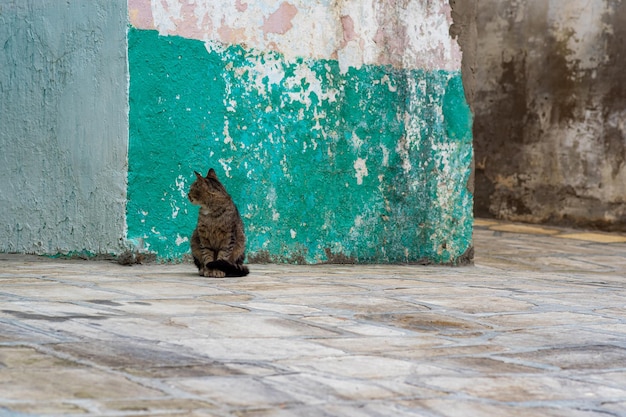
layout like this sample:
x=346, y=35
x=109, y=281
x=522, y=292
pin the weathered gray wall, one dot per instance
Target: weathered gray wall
x=550, y=111
x=64, y=125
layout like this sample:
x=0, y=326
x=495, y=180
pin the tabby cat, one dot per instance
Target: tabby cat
x=218, y=242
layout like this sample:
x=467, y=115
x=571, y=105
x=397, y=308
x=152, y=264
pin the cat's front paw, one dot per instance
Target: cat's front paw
x=214, y=273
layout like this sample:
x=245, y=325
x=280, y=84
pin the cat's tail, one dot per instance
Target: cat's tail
x=230, y=269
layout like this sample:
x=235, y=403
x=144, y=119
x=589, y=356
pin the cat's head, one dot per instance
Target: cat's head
x=205, y=189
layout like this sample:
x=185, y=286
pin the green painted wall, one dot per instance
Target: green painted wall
x=370, y=165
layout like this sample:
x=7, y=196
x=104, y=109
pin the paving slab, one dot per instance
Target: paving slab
x=536, y=327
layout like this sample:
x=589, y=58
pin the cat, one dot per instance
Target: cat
x=218, y=242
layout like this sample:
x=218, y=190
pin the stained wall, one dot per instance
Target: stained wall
x=63, y=126
x=341, y=129
x=550, y=107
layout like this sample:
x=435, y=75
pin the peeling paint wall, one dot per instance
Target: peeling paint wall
x=407, y=33
x=341, y=129
x=63, y=135
x=550, y=108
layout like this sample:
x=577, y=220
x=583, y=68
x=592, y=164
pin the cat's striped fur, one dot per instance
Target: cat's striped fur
x=218, y=242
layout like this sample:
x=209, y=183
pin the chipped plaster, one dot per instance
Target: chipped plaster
x=408, y=33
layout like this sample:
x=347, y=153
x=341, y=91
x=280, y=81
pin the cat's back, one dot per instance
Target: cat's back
x=218, y=212
x=218, y=241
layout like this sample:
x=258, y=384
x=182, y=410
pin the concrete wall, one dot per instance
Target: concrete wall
x=340, y=128
x=63, y=135
x=550, y=111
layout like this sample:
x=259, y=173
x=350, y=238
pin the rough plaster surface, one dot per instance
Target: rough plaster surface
x=406, y=33
x=63, y=85
x=550, y=137
x=464, y=30
x=331, y=153
x=350, y=116
x=371, y=165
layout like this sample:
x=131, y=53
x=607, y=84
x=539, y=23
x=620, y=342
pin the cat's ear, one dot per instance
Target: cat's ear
x=198, y=175
x=211, y=174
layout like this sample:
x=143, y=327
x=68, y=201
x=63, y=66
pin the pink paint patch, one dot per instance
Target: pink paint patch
x=280, y=21
x=348, y=28
x=228, y=34
x=241, y=6
x=187, y=25
x=140, y=14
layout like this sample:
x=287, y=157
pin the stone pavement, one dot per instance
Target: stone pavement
x=536, y=328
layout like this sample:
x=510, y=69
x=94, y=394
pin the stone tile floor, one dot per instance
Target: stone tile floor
x=536, y=328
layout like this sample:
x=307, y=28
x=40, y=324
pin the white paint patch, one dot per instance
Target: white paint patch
x=385, y=151
x=180, y=240
x=225, y=163
x=285, y=167
x=228, y=140
x=304, y=75
x=357, y=142
x=357, y=45
x=181, y=185
x=347, y=30
x=271, y=203
x=403, y=151
x=175, y=211
x=360, y=167
x=271, y=196
x=293, y=233
x=429, y=40
x=386, y=80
